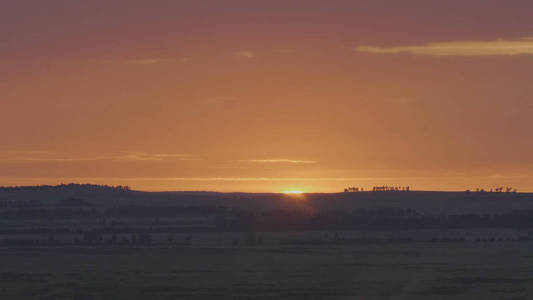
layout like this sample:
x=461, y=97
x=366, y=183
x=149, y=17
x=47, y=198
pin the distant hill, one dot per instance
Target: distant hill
x=427, y=202
x=70, y=186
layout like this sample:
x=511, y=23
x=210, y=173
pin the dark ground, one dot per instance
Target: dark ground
x=414, y=271
x=69, y=242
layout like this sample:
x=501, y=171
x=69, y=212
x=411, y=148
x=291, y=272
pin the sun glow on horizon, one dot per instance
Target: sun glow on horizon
x=293, y=192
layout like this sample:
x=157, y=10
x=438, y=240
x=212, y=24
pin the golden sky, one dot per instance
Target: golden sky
x=267, y=96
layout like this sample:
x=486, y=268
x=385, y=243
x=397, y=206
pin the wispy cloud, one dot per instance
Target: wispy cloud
x=47, y=156
x=306, y=179
x=152, y=61
x=48, y=159
x=245, y=54
x=141, y=156
x=169, y=179
x=459, y=48
x=39, y=156
x=282, y=160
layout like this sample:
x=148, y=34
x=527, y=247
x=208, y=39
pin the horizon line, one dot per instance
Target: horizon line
x=241, y=192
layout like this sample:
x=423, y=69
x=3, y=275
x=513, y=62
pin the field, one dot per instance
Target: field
x=497, y=270
x=96, y=243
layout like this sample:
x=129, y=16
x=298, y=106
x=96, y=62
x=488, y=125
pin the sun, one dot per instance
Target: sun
x=293, y=192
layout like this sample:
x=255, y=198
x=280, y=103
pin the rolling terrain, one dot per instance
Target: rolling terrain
x=100, y=242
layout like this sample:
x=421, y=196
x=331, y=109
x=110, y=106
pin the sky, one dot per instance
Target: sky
x=267, y=96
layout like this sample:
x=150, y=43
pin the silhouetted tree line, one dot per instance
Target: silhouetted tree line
x=105, y=230
x=94, y=187
x=496, y=190
x=343, y=241
x=249, y=238
x=383, y=218
x=96, y=237
x=131, y=211
x=383, y=188
x=49, y=214
x=386, y=188
x=240, y=220
x=354, y=189
x=250, y=224
x=340, y=240
x=219, y=218
x=77, y=208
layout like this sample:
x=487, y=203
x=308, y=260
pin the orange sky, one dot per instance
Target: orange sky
x=265, y=96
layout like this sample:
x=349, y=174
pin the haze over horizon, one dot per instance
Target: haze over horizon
x=267, y=96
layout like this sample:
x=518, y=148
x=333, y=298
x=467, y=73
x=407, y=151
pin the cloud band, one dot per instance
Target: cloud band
x=523, y=46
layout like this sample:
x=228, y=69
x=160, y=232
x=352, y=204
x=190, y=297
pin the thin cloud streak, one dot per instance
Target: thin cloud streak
x=43, y=159
x=245, y=54
x=34, y=156
x=306, y=179
x=141, y=156
x=291, y=161
x=523, y=46
x=152, y=61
